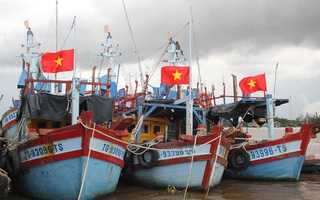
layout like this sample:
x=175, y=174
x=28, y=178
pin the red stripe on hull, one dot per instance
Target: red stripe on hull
x=70, y=132
x=8, y=125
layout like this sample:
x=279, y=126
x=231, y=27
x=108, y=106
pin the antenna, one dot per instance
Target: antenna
x=275, y=82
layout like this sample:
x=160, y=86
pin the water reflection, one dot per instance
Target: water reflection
x=307, y=188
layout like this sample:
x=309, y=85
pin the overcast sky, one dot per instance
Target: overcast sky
x=242, y=37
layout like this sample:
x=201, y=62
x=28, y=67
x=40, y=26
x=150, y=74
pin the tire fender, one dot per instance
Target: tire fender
x=238, y=160
x=148, y=159
x=13, y=162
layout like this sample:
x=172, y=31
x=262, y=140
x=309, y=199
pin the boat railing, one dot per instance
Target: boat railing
x=66, y=84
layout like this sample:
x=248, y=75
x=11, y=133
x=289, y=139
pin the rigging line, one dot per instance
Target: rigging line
x=44, y=46
x=165, y=43
x=71, y=28
x=134, y=44
x=157, y=63
x=195, y=44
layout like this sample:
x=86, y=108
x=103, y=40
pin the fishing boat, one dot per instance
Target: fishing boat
x=261, y=158
x=166, y=149
x=58, y=152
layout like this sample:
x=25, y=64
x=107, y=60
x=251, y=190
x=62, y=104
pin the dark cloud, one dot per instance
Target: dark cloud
x=231, y=37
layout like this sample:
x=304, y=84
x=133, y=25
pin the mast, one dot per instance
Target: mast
x=75, y=82
x=269, y=103
x=189, y=110
x=57, y=48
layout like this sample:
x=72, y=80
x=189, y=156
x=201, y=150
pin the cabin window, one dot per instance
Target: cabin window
x=145, y=128
x=42, y=125
x=156, y=129
x=55, y=124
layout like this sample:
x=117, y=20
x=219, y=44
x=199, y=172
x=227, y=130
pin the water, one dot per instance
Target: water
x=308, y=187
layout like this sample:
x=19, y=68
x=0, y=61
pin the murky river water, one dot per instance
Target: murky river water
x=307, y=188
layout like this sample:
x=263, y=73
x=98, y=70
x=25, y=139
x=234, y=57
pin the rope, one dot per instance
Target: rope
x=134, y=43
x=87, y=163
x=190, y=169
x=214, y=167
x=139, y=146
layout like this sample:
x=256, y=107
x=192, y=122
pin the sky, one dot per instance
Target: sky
x=243, y=37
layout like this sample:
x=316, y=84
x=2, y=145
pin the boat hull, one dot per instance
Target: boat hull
x=71, y=162
x=284, y=169
x=180, y=166
x=279, y=159
x=62, y=180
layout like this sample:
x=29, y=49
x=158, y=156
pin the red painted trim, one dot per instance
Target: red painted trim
x=69, y=155
x=70, y=132
x=9, y=124
x=304, y=135
x=207, y=173
x=107, y=158
x=51, y=159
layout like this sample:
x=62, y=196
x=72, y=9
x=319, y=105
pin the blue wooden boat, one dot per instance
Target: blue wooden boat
x=162, y=150
x=267, y=159
x=57, y=155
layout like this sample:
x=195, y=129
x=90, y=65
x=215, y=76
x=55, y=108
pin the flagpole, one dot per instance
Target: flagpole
x=75, y=82
x=57, y=46
x=189, y=111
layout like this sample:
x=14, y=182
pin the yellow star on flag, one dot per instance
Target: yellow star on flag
x=58, y=61
x=177, y=75
x=252, y=84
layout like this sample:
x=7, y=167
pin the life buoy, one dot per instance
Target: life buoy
x=13, y=162
x=206, y=102
x=238, y=160
x=148, y=159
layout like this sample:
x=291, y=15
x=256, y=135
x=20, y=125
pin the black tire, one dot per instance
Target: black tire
x=13, y=162
x=3, y=161
x=127, y=157
x=238, y=160
x=126, y=170
x=148, y=159
x=128, y=163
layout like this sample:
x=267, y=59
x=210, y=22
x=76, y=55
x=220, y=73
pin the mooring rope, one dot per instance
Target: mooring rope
x=190, y=169
x=87, y=163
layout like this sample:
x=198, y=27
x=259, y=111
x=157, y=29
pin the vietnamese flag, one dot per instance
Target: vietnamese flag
x=252, y=84
x=60, y=61
x=173, y=75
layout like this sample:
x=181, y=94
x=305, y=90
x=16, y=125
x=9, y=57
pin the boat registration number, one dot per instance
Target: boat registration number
x=107, y=148
x=50, y=149
x=183, y=152
x=274, y=150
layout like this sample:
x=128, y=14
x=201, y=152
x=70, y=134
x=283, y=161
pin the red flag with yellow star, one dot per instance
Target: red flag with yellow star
x=252, y=84
x=173, y=75
x=60, y=61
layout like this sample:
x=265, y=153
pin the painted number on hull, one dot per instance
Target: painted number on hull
x=274, y=150
x=183, y=152
x=169, y=154
x=113, y=150
x=266, y=152
x=108, y=148
x=49, y=149
x=43, y=150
